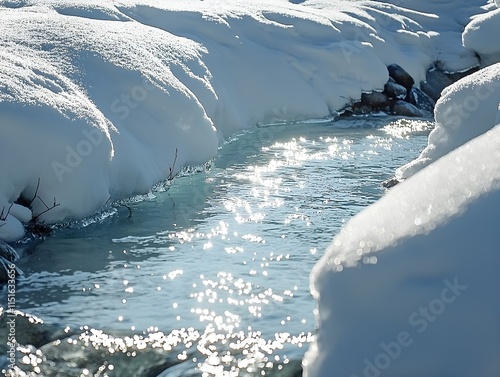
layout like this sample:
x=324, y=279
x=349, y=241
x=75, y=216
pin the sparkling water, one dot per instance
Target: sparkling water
x=215, y=270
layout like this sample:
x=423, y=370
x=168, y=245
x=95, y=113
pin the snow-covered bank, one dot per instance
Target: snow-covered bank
x=467, y=109
x=96, y=97
x=409, y=286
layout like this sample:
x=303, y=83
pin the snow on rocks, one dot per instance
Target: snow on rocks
x=467, y=109
x=399, y=97
x=425, y=255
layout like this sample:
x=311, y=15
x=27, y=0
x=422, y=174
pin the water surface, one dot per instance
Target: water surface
x=219, y=264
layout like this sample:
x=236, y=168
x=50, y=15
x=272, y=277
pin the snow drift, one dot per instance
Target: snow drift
x=98, y=98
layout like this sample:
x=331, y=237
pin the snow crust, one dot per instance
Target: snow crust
x=409, y=286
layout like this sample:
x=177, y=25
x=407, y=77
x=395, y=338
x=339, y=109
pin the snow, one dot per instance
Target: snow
x=409, y=285
x=466, y=109
x=474, y=36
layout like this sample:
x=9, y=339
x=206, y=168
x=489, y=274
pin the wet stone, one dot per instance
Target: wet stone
x=375, y=100
x=406, y=109
x=393, y=90
x=435, y=82
x=391, y=182
x=401, y=76
x=421, y=100
x=359, y=109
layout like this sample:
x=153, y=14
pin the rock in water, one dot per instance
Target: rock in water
x=375, y=100
x=391, y=182
x=406, y=109
x=421, y=100
x=401, y=76
x=360, y=109
x=393, y=90
x=435, y=82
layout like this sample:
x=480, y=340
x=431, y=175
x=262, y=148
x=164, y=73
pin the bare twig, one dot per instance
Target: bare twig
x=35, y=218
x=171, y=174
x=3, y=216
x=36, y=193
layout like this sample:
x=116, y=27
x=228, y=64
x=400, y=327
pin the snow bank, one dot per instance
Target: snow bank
x=475, y=97
x=409, y=286
x=97, y=97
x=482, y=35
x=465, y=110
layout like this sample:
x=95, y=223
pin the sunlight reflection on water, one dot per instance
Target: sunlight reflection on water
x=216, y=270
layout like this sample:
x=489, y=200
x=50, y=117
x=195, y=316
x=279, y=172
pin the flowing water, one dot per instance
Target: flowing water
x=210, y=277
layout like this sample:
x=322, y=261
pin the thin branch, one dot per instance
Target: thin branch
x=4, y=217
x=171, y=176
x=35, y=218
x=36, y=193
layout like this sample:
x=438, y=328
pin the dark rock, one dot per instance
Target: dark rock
x=435, y=82
x=359, y=109
x=391, y=182
x=460, y=75
x=401, y=76
x=32, y=330
x=376, y=100
x=393, y=90
x=421, y=100
x=403, y=108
